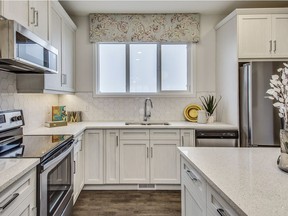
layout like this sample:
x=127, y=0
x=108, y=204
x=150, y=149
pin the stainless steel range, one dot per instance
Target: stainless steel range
x=55, y=171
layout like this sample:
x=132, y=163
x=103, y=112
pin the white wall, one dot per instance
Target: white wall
x=132, y=108
x=36, y=107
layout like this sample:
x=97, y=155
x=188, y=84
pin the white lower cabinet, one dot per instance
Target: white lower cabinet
x=134, y=156
x=149, y=156
x=94, y=144
x=216, y=205
x=193, y=191
x=20, y=197
x=198, y=198
x=27, y=207
x=112, y=154
x=164, y=157
x=78, y=166
x=134, y=161
x=187, y=137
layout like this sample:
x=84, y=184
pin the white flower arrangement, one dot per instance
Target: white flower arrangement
x=279, y=91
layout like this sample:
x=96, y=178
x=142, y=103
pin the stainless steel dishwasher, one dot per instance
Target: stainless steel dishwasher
x=216, y=138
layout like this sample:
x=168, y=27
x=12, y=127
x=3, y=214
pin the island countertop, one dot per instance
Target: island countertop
x=247, y=178
x=11, y=169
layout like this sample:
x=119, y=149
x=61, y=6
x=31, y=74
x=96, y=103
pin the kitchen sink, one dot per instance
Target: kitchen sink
x=147, y=123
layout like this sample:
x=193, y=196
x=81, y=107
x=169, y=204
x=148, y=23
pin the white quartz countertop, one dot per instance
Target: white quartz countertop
x=13, y=169
x=76, y=128
x=248, y=178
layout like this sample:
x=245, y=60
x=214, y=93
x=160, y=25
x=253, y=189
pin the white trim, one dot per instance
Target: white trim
x=192, y=79
x=129, y=187
x=250, y=11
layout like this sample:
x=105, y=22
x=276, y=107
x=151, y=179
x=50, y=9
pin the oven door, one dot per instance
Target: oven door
x=56, y=183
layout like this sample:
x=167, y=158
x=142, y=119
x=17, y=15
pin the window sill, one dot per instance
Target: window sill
x=151, y=95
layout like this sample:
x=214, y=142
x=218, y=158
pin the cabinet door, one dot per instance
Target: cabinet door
x=68, y=55
x=279, y=35
x=112, y=156
x=94, y=157
x=53, y=81
x=17, y=10
x=134, y=161
x=254, y=36
x=187, y=137
x=164, y=162
x=39, y=18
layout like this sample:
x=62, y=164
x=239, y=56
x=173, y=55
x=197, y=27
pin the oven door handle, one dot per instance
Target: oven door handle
x=57, y=159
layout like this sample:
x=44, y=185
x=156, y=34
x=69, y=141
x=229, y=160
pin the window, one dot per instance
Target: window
x=143, y=69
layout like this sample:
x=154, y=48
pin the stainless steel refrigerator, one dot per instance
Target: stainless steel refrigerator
x=259, y=121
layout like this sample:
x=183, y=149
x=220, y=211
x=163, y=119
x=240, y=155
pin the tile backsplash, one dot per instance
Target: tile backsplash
x=36, y=107
x=127, y=109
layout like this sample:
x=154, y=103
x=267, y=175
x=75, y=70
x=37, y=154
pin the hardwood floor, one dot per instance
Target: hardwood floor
x=128, y=203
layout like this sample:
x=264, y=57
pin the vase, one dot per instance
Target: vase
x=211, y=119
x=283, y=158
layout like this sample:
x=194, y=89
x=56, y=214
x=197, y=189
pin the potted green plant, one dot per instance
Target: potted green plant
x=210, y=103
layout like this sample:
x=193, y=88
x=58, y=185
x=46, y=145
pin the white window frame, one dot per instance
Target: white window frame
x=191, y=79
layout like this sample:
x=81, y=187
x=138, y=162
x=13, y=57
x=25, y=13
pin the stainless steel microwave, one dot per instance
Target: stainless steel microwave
x=21, y=51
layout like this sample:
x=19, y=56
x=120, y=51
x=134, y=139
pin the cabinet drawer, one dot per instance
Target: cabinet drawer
x=27, y=207
x=17, y=192
x=134, y=134
x=216, y=205
x=165, y=134
x=194, y=181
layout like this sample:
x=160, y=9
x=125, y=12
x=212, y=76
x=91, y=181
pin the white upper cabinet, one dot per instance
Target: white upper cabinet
x=280, y=35
x=263, y=36
x=32, y=14
x=53, y=81
x=68, y=57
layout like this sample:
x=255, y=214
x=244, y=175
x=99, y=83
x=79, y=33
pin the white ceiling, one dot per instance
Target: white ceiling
x=84, y=7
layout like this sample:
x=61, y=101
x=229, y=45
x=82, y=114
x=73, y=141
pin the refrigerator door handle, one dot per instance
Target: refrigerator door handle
x=250, y=97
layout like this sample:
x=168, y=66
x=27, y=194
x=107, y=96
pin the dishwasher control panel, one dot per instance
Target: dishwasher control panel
x=216, y=138
x=216, y=134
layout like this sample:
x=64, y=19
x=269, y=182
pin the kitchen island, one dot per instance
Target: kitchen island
x=247, y=179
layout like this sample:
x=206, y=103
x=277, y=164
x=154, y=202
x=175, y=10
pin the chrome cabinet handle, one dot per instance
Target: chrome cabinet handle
x=37, y=18
x=74, y=167
x=147, y=152
x=222, y=212
x=191, y=175
x=182, y=141
x=270, y=46
x=151, y=152
x=117, y=142
x=33, y=11
x=64, y=79
x=274, y=46
x=5, y=205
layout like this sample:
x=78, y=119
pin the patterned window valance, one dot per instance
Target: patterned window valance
x=182, y=27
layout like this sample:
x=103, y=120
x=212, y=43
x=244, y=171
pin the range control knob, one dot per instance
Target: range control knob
x=14, y=118
x=19, y=117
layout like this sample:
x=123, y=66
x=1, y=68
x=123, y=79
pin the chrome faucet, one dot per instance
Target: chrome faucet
x=147, y=113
